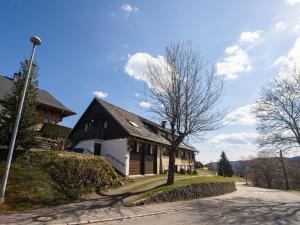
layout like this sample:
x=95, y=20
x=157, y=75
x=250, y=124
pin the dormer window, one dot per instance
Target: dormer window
x=133, y=124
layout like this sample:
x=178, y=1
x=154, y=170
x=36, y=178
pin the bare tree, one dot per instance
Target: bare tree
x=262, y=169
x=184, y=91
x=278, y=113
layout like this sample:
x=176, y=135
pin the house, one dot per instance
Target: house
x=133, y=144
x=50, y=110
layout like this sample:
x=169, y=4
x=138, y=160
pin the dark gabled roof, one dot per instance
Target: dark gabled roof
x=44, y=97
x=123, y=117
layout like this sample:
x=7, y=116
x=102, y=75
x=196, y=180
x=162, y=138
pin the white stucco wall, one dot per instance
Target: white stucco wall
x=115, y=151
x=87, y=145
x=117, y=148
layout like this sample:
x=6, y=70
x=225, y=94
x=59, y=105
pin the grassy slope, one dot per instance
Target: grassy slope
x=31, y=183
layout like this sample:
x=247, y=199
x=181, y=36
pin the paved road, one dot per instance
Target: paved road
x=248, y=205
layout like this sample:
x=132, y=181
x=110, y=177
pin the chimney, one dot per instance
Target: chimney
x=16, y=76
x=163, y=123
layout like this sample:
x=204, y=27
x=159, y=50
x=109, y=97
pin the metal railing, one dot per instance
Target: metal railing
x=116, y=160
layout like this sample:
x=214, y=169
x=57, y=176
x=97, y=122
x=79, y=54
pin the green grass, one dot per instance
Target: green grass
x=184, y=181
x=41, y=178
x=206, y=171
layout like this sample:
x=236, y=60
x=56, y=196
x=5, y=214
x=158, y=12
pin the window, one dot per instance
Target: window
x=86, y=126
x=46, y=120
x=133, y=124
x=193, y=156
x=132, y=146
x=147, y=149
x=105, y=124
x=153, y=150
x=165, y=152
x=183, y=154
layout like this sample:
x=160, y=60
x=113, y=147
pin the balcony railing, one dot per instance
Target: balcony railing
x=90, y=133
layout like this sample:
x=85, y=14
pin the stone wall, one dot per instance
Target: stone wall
x=192, y=191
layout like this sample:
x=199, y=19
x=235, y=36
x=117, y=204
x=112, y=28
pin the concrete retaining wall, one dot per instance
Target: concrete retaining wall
x=188, y=192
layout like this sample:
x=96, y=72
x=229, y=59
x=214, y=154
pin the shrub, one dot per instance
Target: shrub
x=54, y=131
x=81, y=175
x=52, y=176
x=182, y=171
x=189, y=171
x=78, y=173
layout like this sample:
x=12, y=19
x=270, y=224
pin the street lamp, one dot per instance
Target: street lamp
x=35, y=41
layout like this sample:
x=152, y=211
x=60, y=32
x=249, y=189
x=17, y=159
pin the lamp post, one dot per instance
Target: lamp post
x=35, y=41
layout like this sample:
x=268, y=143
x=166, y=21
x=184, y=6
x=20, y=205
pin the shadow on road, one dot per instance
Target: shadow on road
x=243, y=211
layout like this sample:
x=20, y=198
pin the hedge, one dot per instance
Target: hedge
x=52, y=176
x=54, y=131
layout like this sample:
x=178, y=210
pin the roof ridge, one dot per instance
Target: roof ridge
x=143, y=118
x=44, y=96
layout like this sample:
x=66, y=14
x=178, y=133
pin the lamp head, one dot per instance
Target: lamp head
x=35, y=40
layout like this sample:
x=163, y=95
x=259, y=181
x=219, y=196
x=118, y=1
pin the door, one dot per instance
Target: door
x=135, y=164
x=97, y=149
x=150, y=158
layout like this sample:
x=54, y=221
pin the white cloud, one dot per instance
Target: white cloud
x=137, y=65
x=290, y=61
x=241, y=116
x=296, y=28
x=237, y=61
x=292, y=2
x=234, y=140
x=100, y=94
x=280, y=26
x=129, y=8
x=250, y=36
x=145, y=105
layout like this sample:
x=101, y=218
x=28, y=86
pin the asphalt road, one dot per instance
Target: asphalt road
x=248, y=205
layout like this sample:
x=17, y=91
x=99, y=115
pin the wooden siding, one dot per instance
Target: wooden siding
x=96, y=115
x=135, y=164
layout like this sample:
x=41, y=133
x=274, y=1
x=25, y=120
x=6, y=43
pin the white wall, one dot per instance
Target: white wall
x=117, y=148
x=115, y=151
x=87, y=145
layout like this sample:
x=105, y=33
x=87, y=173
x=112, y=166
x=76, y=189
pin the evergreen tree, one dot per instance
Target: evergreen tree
x=26, y=137
x=224, y=166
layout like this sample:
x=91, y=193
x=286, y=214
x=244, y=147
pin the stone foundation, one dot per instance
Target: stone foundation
x=188, y=192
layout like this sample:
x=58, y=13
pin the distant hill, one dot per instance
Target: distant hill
x=238, y=163
x=235, y=164
x=296, y=158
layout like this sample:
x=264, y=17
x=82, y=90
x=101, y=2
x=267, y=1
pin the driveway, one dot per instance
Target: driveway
x=248, y=205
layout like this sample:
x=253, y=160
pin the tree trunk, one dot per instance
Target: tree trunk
x=287, y=186
x=171, y=171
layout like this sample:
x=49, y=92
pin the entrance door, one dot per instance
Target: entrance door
x=97, y=149
x=149, y=159
x=135, y=164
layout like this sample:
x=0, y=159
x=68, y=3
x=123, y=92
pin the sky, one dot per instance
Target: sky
x=100, y=48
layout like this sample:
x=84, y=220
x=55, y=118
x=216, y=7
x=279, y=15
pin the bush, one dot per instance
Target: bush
x=54, y=131
x=81, y=175
x=78, y=173
x=52, y=176
x=182, y=171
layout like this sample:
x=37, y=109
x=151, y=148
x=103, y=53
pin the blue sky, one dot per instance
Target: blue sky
x=96, y=47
